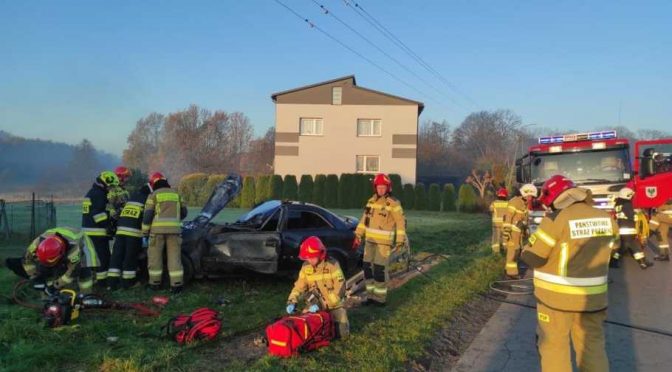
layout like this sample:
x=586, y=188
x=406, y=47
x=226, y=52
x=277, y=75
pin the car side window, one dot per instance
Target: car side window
x=272, y=223
x=297, y=220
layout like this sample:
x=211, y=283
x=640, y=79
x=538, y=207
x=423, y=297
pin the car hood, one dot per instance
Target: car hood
x=221, y=196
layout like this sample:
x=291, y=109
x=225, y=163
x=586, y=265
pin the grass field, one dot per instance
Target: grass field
x=383, y=338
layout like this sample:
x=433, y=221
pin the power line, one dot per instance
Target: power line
x=313, y=25
x=394, y=39
x=368, y=41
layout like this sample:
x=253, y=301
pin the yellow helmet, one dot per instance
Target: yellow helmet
x=108, y=178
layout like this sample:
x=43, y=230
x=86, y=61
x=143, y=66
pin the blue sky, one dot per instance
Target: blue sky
x=90, y=69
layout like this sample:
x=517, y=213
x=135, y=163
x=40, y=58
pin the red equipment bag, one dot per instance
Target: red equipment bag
x=295, y=334
x=201, y=324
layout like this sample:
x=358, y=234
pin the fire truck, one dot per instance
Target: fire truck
x=604, y=163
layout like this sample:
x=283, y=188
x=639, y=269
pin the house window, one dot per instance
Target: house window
x=311, y=126
x=336, y=95
x=368, y=127
x=368, y=163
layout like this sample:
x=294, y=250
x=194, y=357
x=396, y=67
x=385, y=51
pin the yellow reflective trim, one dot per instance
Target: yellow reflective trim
x=175, y=273
x=166, y=224
x=638, y=256
x=547, y=239
x=100, y=217
x=155, y=272
x=564, y=257
x=543, y=317
x=66, y=279
x=278, y=343
x=396, y=209
x=167, y=197
x=512, y=265
x=381, y=291
x=572, y=290
x=85, y=284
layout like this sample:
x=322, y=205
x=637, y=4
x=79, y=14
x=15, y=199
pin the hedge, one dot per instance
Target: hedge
x=420, y=197
x=290, y=189
x=434, y=198
x=318, y=189
x=209, y=187
x=331, y=191
x=466, y=199
x=448, y=198
x=276, y=187
x=262, y=189
x=306, y=188
x=190, y=187
x=346, y=186
x=247, y=194
x=397, y=187
x=408, y=197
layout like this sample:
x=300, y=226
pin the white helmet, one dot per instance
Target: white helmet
x=528, y=190
x=626, y=193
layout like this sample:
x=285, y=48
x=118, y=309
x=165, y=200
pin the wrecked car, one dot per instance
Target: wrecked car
x=265, y=240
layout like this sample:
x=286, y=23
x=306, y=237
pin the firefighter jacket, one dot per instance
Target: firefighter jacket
x=325, y=281
x=625, y=214
x=95, y=217
x=117, y=198
x=163, y=212
x=570, y=254
x=130, y=218
x=516, y=214
x=498, y=209
x=383, y=221
x=80, y=253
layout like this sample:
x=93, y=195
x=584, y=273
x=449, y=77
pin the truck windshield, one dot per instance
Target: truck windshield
x=588, y=167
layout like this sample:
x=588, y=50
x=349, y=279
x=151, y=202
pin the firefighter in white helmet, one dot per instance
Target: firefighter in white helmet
x=625, y=215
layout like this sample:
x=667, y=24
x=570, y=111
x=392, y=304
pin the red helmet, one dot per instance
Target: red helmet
x=312, y=247
x=155, y=177
x=553, y=187
x=382, y=179
x=502, y=192
x=122, y=173
x=51, y=250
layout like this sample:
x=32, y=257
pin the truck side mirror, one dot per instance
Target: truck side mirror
x=646, y=168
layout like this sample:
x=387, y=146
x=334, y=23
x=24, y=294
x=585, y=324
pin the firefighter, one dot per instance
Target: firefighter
x=96, y=220
x=570, y=253
x=128, y=241
x=660, y=224
x=320, y=284
x=118, y=195
x=161, y=224
x=61, y=257
x=498, y=209
x=625, y=214
x=382, y=226
x=515, y=225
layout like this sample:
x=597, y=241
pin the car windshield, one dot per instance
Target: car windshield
x=593, y=167
x=259, y=214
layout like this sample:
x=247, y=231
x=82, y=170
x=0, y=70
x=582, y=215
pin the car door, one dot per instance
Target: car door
x=299, y=223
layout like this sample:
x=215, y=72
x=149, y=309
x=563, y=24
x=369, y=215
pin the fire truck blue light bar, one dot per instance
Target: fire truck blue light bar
x=592, y=136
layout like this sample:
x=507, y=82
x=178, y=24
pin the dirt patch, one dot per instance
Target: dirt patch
x=456, y=336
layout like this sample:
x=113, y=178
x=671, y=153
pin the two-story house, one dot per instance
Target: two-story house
x=337, y=127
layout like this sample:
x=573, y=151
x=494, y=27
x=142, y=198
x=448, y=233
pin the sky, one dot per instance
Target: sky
x=90, y=69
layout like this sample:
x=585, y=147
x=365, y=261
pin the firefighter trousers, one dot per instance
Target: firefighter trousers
x=102, y=246
x=663, y=231
x=376, y=261
x=173, y=246
x=340, y=318
x=124, y=261
x=496, y=238
x=512, y=253
x=556, y=328
x=629, y=244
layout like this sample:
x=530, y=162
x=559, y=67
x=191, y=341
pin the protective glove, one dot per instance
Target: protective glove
x=145, y=241
x=313, y=308
x=291, y=308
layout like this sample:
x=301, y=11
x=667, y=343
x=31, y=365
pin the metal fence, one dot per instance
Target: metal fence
x=26, y=219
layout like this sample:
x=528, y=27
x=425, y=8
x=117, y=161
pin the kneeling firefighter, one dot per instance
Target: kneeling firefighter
x=61, y=257
x=321, y=285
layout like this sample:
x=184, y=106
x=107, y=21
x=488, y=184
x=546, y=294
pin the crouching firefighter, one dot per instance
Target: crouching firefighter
x=625, y=214
x=498, y=209
x=61, y=257
x=321, y=285
x=128, y=241
x=161, y=223
x=570, y=253
x=383, y=226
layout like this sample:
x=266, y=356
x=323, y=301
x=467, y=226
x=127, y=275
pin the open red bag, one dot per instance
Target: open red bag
x=294, y=334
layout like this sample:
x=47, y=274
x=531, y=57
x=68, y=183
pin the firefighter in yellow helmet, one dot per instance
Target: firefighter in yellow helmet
x=161, y=223
x=382, y=226
x=515, y=225
x=498, y=209
x=321, y=285
x=660, y=224
x=570, y=253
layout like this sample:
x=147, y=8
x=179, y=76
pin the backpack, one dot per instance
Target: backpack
x=201, y=324
x=294, y=334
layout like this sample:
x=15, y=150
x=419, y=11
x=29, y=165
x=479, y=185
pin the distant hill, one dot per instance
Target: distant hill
x=35, y=164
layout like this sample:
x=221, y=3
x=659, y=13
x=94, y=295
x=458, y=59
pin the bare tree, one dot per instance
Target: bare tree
x=143, y=143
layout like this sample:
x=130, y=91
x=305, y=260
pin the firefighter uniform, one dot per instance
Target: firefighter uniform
x=570, y=253
x=75, y=271
x=660, y=223
x=498, y=209
x=96, y=225
x=161, y=222
x=128, y=240
x=625, y=215
x=515, y=223
x=382, y=226
x=327, y=284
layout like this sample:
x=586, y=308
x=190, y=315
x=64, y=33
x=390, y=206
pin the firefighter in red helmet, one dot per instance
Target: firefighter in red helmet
x=570, y=254
x=383, y=227
x=321, y=284
x=498, y=209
